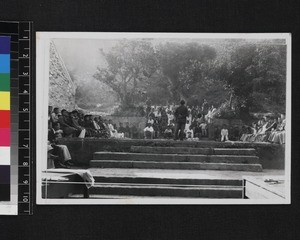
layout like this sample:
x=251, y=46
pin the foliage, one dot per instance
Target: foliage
x=129, y=64
x=185, y=66
x=256, y=75
x=238, y=77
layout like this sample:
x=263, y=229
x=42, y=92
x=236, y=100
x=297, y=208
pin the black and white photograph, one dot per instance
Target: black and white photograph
x=163, y=118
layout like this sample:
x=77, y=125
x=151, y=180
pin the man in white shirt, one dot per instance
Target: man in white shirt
x=148, y=131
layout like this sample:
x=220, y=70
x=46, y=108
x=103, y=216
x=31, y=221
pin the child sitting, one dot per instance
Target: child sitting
x=224, y=133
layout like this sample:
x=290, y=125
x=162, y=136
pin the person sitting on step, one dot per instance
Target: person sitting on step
x=189, y=133
x=148, y=131
x=224, y=133
x=203, y=127
x=66, y=125
x=63, y=156
x=168, y=133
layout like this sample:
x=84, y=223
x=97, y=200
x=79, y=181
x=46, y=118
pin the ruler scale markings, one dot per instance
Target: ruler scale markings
x=24, y=118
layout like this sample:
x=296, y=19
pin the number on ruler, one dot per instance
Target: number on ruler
x=25, y=198
x=25, y=73
x=25, y=55
x=25, y=164
x=25, y=145
x=25, y=109
x=25, y=181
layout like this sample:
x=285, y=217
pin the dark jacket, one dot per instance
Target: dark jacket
x=181, y=113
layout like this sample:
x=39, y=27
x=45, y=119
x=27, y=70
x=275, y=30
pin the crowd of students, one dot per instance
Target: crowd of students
x=160, y=123
x=268, y=129
x=200, y=125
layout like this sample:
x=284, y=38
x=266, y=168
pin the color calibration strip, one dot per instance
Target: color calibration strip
x=5, y=142
x=20, y=161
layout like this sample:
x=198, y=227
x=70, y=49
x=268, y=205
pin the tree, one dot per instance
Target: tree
x=129, y=65
x=256, y=75
x=184, y=66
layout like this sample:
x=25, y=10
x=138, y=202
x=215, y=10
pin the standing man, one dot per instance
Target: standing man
x=180, y=116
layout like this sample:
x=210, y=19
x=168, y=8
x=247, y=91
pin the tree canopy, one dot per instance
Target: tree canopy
x=250, y=77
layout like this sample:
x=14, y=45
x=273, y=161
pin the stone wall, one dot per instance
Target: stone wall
x=61, y=87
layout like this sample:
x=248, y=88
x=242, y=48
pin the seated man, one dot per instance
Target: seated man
x=156, y=127
x=104, y=130
x=63, y=156
x=127, y=130
x=168, y=133
x=203, y=127
x=190, y=133
x=65, y=123
x=134, y=131
x=55, y=115
x=89, y=126
x=148, y=131
x=74, y=123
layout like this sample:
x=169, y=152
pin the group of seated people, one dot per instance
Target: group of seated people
x=160, y=122
x=268, y=129
x=76, y=124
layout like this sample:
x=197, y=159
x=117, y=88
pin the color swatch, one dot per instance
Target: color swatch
x=4, y=118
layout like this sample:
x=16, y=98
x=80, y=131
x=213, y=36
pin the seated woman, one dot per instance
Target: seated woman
x=113, y=132
x=248, y=133
x=66, y=124
x=278, y=135
x=270, y=128
x=261, y=132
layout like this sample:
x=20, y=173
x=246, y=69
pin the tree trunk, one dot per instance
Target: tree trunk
x=230, y=100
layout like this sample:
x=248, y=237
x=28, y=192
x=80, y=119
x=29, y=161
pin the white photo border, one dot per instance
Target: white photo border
x=42, y=87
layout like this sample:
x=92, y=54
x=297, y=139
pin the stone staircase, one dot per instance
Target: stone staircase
x=175, y=158
x=126, y=187
x=232, y=159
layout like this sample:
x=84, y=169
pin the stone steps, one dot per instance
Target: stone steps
x=175, y=165
x=173, y=180
x=176, y=157
x=193, y=150
x=189, y=191
x=123, y=156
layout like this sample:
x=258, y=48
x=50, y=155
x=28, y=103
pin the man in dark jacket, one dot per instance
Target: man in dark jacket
x=180, y=116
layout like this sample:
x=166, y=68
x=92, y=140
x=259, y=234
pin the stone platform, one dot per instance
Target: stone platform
x=271, y=156
x=152, y=183
x=160, y=168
